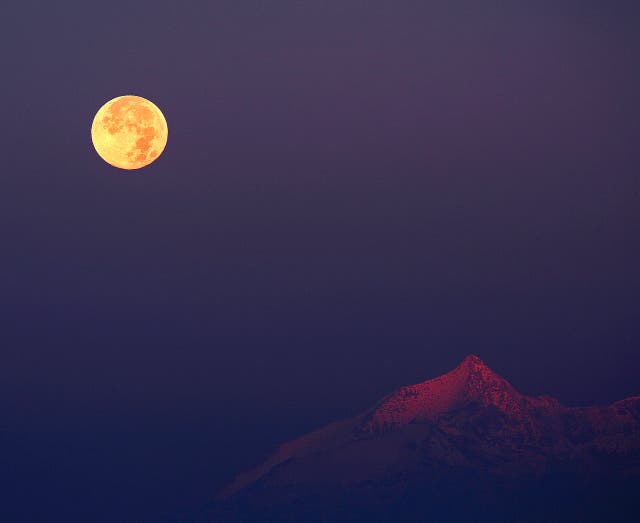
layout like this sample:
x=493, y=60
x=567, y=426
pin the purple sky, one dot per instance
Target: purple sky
x=354, y=196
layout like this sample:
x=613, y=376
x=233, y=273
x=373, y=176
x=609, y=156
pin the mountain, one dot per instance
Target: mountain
x=465, y=446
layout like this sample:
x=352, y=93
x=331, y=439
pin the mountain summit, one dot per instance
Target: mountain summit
x=471, y=381
x=468, y=429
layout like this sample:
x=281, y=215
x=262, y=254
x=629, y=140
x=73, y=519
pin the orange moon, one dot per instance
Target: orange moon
x=129, y=132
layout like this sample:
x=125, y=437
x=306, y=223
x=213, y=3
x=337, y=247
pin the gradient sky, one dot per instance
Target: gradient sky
x=354, y=196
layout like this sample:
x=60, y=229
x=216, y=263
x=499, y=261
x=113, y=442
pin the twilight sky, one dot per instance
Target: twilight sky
x=354, y=196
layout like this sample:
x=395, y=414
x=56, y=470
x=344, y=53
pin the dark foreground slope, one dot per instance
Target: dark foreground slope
x=463, y=447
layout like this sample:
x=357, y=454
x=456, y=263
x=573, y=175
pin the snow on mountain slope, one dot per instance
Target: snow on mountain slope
x=467, y=419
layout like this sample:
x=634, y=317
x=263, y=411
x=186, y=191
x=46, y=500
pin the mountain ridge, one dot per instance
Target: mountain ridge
x=471, y=380
x=469, y=418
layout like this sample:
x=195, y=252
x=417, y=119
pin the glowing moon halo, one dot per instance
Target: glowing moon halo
x=129, y=132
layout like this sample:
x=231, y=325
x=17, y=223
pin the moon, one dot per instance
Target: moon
x=129, y=132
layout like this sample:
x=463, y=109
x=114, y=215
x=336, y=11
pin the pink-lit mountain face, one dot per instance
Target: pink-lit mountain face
x=470, y=382
x=468, y=423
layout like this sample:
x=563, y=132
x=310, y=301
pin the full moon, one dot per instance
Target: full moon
x=129, y=132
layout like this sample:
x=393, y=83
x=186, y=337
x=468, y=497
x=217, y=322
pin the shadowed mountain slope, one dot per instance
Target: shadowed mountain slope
x=463, y=444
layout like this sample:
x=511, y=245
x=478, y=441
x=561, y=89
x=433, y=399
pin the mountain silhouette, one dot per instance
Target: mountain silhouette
x=465, y=446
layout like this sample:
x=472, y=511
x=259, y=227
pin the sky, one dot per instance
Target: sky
x=354, y=196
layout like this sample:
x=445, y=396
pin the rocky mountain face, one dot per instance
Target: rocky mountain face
x=465, y=446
